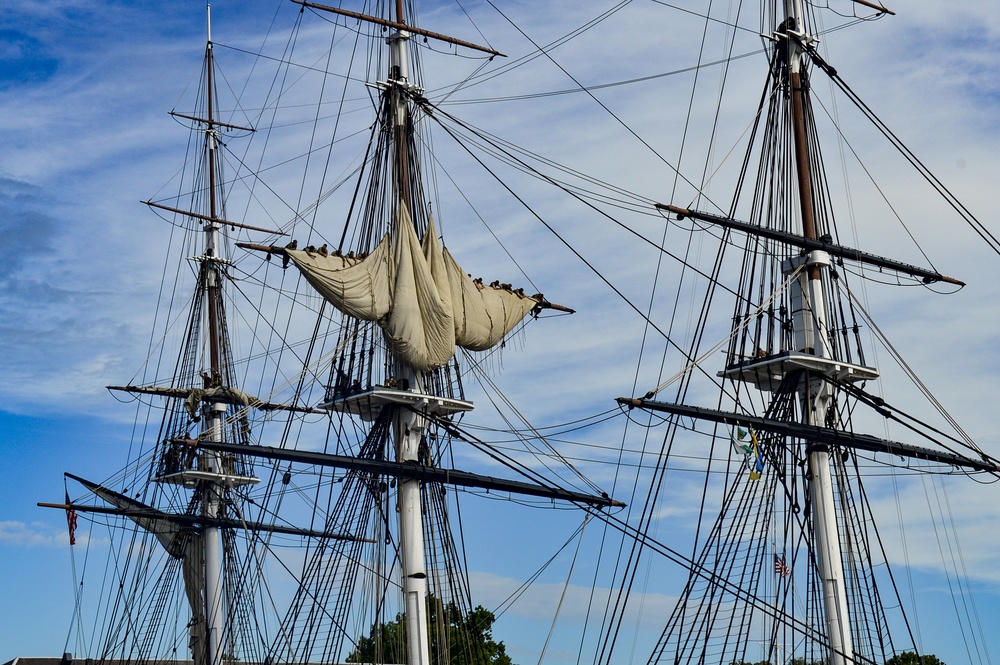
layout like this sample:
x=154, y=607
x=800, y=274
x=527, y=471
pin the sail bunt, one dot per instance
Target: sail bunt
x=418, y=294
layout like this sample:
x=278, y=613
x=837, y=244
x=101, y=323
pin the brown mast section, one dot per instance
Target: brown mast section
x=399, y=79
x=801, y=138
x=211, y=249
x=815, y=394
x=399, y=75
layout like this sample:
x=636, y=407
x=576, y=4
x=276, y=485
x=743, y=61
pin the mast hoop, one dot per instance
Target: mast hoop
x=412, y=90
x=217, y=260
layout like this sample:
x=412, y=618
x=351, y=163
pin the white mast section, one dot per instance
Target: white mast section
x=213, y=541
x=214, y=412
x=408, y=426
x=810, y=325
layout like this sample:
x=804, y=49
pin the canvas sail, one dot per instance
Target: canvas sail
x=184, y=544
x=418, y=294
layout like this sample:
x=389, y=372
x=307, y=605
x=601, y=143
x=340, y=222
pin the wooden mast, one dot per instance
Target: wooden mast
x=210, y=461
x=810, y=324
x=408, y=425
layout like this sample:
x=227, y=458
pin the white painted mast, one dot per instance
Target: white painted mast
x=406, y=392
x=409, y=426
x=810, y=326
x=211, y=478
x=214, y=412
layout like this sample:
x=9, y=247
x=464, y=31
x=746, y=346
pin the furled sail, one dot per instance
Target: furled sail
x=484, y=314
x=418, y=294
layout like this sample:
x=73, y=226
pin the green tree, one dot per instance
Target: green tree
x=469, y=638
x=911, y=658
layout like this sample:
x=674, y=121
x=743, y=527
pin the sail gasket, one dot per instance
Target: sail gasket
x=224, y=396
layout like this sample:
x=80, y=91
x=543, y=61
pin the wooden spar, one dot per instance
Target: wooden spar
x=183, y=393
x=545, y=304
x=270, y=249
x=811, y=244
x=411, y=470
x=800, y=138
x=197, y=521
x=214, y=123
x=872, y=5
x=810, y=335
x=214, y=220
x=814, y=434
x=214, y=343
x=802, y=170
x=398, y=25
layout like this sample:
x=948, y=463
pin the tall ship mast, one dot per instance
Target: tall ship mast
x=796, y=343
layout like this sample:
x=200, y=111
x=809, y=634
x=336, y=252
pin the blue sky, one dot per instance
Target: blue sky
x=84, y=136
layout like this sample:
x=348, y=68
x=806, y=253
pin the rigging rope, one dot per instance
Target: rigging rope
x=980, y=229
x=725, y=340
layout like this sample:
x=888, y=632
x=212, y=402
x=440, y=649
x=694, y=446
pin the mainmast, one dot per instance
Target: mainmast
x=810, y=337
x=408, y=425
x=418, y=302
x=404, y=392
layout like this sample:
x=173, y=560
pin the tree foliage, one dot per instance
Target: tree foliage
x=469, y=638
x=905, y=658
x=911, y=658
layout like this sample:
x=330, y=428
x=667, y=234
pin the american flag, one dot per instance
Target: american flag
x=780, y=568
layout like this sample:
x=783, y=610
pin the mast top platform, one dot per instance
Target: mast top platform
x=767, y=372
x=369, y=403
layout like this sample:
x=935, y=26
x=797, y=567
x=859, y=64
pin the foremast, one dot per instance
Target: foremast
x=809, y=322
x=212, y=488
x=800, y=351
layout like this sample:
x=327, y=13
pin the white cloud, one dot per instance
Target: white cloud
x=34, y=534
x=17, y=534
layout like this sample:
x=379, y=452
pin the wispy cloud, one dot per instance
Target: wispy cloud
x=32, y=534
